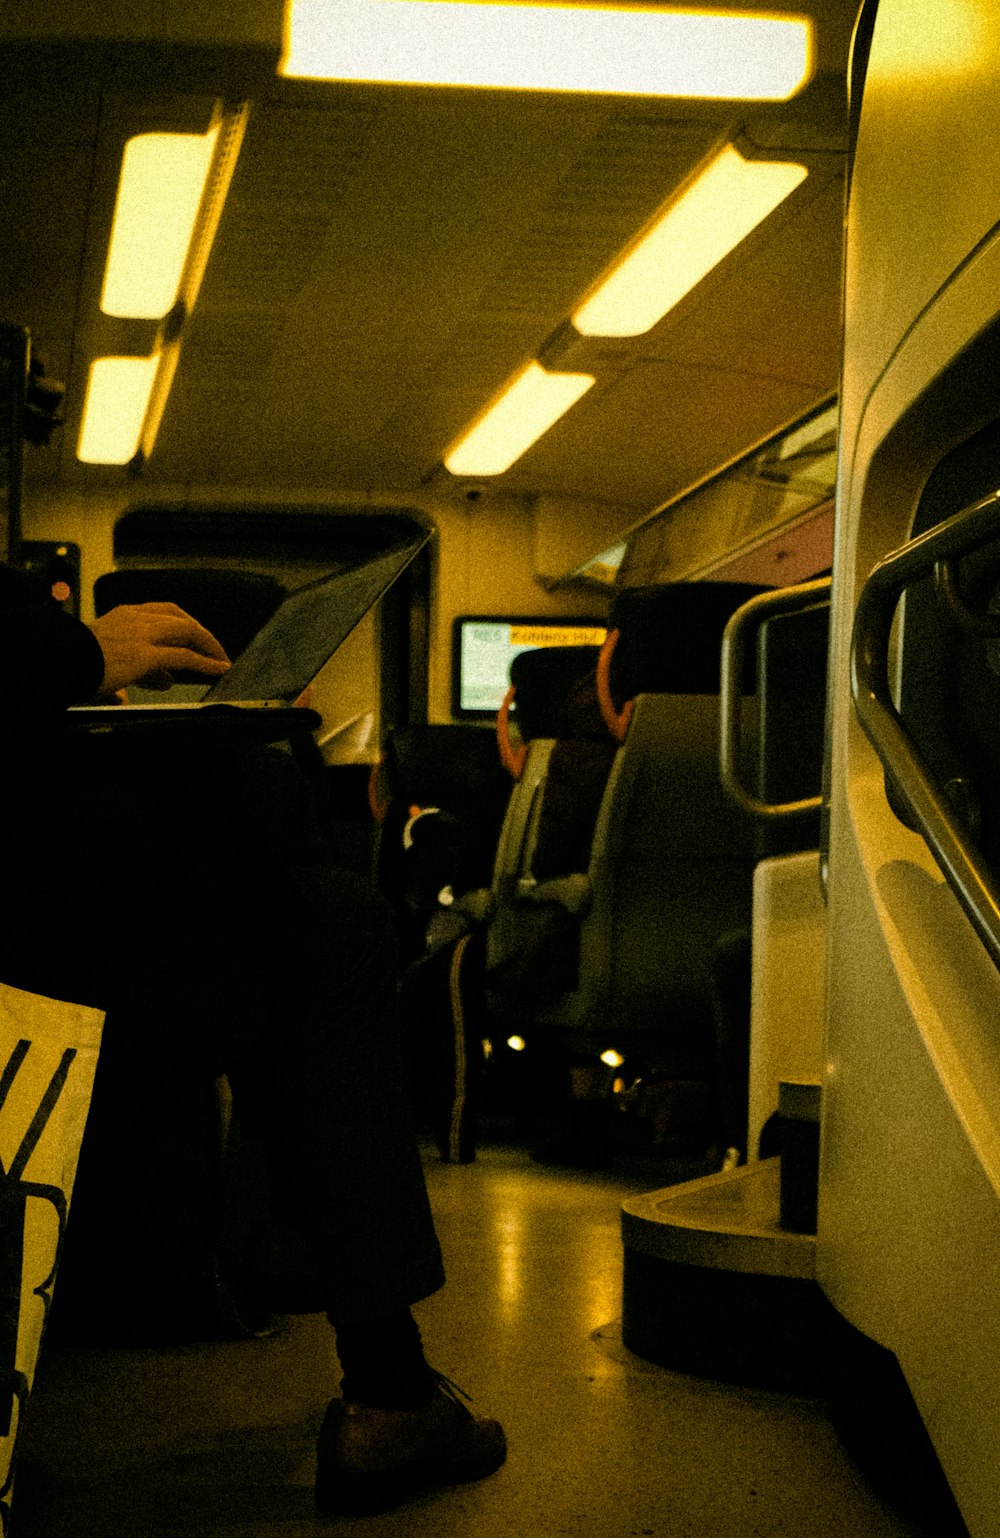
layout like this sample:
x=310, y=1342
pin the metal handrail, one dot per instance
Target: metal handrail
x=786, y=600
x=949, y=592
x=913, y=782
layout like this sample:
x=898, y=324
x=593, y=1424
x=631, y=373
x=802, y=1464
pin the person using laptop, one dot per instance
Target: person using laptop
x=281, y=974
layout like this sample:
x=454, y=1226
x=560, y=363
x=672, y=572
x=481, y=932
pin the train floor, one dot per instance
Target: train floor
x=215, y=1439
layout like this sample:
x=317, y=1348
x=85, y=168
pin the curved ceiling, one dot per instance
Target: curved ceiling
x=388, y=256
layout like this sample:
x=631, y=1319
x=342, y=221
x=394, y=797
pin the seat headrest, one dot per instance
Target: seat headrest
x=544, y=682
x=233, y=605
x=450, y=766
x=791, y=669
x=671, y=637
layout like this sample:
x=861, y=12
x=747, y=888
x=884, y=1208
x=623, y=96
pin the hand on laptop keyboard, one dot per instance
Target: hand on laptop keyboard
x=145, y=643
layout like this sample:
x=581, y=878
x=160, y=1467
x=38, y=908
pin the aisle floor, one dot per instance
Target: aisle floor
x=215, y=1439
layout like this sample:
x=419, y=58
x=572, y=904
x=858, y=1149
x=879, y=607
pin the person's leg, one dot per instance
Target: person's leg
x=313, y=1055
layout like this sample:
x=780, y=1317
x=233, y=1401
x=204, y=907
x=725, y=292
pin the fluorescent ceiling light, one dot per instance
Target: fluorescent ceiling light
x=529, y=405
x=114, y=409
x=639, y=50
x=718, y=210
x=162, y=180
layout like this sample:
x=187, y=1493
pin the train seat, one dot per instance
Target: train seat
x=740, y=1244
x=670, y=863
x=439, y=796
x=786, y=947
x=669, y=873
x=441, y=1002
x=542, y=681
x=477, y=782
x=667, y=639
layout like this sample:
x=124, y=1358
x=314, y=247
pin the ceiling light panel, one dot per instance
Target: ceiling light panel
x=162, y=180
x=528, y=407
x=640, y=51
x=726, y=201
x=114, y=409
x=609, y=190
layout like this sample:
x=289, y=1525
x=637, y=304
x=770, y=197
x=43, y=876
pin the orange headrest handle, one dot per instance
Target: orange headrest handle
x=513, y=759
x=616, y=721
x=378, y=790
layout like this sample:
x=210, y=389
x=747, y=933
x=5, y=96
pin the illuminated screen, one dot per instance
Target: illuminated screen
x=484, y=649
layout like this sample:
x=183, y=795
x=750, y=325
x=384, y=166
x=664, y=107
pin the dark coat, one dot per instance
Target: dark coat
x=48, y=659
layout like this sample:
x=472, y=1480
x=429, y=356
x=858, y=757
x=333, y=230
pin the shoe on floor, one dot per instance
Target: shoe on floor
x=369, y=1459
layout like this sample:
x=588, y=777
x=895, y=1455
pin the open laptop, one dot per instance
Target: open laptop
x=287, y=653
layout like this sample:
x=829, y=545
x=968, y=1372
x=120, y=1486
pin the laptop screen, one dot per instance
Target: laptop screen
x=302, y=635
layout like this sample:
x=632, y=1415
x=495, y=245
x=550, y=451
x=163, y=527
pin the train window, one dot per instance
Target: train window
x=303, y=542
x=374, y=682
x=949, y=667
x=484, y=646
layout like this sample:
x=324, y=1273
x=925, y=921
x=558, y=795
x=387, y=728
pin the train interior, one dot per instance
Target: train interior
x=667, y=735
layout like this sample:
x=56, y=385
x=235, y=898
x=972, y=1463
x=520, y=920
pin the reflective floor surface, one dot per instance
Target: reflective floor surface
x=216, y=1439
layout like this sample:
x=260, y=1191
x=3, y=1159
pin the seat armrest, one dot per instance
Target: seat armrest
x=570, y=892
x=478, y=904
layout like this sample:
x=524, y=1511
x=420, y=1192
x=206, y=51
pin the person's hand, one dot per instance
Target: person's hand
x=145, y=643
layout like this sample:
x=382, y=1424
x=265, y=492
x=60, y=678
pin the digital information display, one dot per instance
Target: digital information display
x=486, y=648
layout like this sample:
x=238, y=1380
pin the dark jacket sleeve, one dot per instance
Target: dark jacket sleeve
x=48, y=659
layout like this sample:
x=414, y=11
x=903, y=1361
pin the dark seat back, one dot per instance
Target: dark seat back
x=453, y=765
x=544, y=681
x=791, y=696
x=456, y=769
x=670, y=866
x=671, y=637
x=669, y=872
x=232, y=604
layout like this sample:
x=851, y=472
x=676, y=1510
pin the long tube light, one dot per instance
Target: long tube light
x=718, y=210
x=638, y=50
x=160, y=190
x=528, y=407
x=114, y=408
x=171, y=192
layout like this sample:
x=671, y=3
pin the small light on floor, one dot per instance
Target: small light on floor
x=516, y=1043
